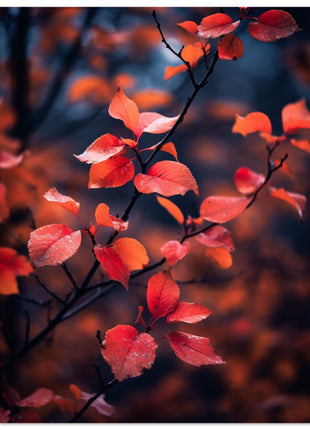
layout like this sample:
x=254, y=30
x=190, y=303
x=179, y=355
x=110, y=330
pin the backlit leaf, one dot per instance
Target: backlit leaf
x=103, y=217
x=230, y=47
x=189, y=26
x=154, y=123
x=222, y=209
x=295, y=116
x=215, y=237
x=189, y=313
x=114, y=172
x=167, y=178
x=101, y=149
x=255, y=121
x=112, y=264
x=298, y=201
x=174, y=70
x=216, y=25
x=132, y=253
x=127, y=352
x=68, y=203
x=39, y=398
x=195, y=350
x=162, y=294
x=125, y=109
x=220, y=256
x=12, y=265
x=151, y=98
x=93, y=88
x=53, y=244
x=99, y=404
x=273, y=25
x=172, y=208
x=174, y=251
x=248, y=181
x=191, y=54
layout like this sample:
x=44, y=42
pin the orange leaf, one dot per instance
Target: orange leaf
x=216, y=25
x=175, y=251
x=162, y=294
x=301, y=144
x=220, y=256
x=172, y=208
x=12, y=265
x=132, y=253
x=174, y=70
x=53, y=244
x=295, y=116
x=215, y=237
x=148, y=99
x=222, y=209
x=255, y=121
x=121, y=107
x=155, y=123
x=52, y=195
x=273, y=25
x=112, y=264
x=248, y=181
x=114, y=172
x=189, y=313
x=101, y=149
x=297, y=200
x=167, y=178
x=192, y=53
x=103, y=217
x=189, y=26
x=230, y=47
x=94, y=88
x=195, y=350
x=167, y=147
x=127, y=352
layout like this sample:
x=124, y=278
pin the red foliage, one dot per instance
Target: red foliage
x=162, y=294
x=216, y=25
x=273, y=25
x=230, y=47
x=12, y=265
x=223, y=209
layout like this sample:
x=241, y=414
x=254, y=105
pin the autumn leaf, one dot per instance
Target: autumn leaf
x=132, y=253
x=191, y=54
x=12, y=265
x=172, y=208
x=230, y=47
x=53, y=244
x=247, y=181
x=114, y=172
x=154, y=123
x=175, y=251
x=295, y=116
x=273, y=25
x=195, y=350
x=93, y=88
x=167, y=178
x=189, y=26
x=220, y=256
x=162, y=294
x=9, y=160
x=189, y=313
x=39, y=398
x=298, y=201
x=150, y=98
x=222, y=209
x=215, y=237
x=99, y=404
x=103, y=218
x=101, y=149
x=125, y=109
x=216, y=25
x=68, y=203
x=167, y=147
x=127, y=352
x=251, y=123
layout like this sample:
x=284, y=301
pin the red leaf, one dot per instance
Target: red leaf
x=4, y=208
x=114, y=172
x=215, y=237
x=101, y=149
x=127, y=352
x=162, y=294
x=222, y=209
x=90, y=87
x=189, y=26
x=112, y=264
x=220, y=256
x=230, y=47
x=139, y=319
x=191, y=54
x=167, y=147
x=99, y=404
x=273, y=25
x=255, y=121
x=216, y=25
x=295, y=116
x=155, y=123
x=121, y=107
x=174, y=70
x=192, y=349
x=53, y=244
x=103, y=217
x=248, y=181
x=12, y=265
x=39, y=398
x=172, y=208
x=167, y=178
x=174, y=251
x=303, y=144
x=8, y=160
x=65, y=405
x=189, y=313
x=297, y=200
x=52, y=195
x=132, y=253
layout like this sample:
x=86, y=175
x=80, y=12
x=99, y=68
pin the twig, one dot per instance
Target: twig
x=68, y=273
x=47, y=289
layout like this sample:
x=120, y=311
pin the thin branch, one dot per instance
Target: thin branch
x=34, y=301
x=69, y=275
x=47, y=289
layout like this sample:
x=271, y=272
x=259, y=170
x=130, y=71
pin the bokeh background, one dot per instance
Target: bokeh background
x=56, y=83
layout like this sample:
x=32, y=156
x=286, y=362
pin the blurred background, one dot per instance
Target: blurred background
x=59, y=69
